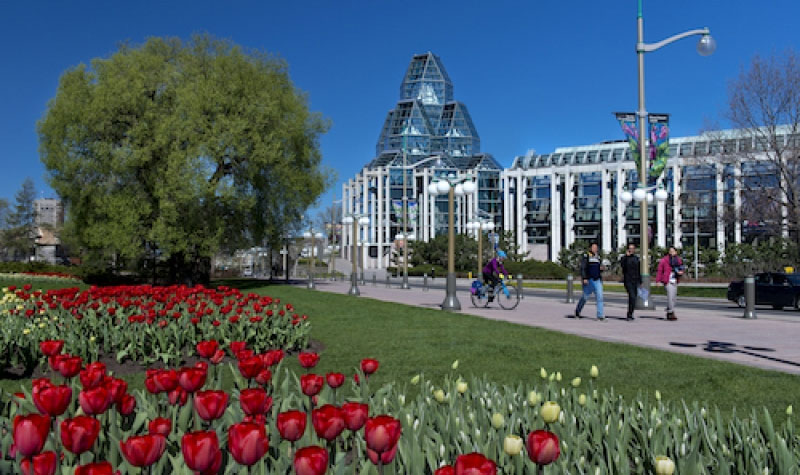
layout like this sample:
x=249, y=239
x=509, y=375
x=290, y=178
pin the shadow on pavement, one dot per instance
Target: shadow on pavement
x=713, y=346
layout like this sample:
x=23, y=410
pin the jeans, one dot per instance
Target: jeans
x=592, y=286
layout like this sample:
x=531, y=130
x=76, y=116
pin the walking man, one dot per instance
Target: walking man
x=591, y=273
x=631, y=276
x=670, y=271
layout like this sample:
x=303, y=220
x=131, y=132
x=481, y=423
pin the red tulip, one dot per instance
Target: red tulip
x=334, y=379
x=543, y=447
x=381, y=434
x=126, y=405
x=355, y=415
x=237, y=346
x=201, y=365
x=206, y=349
x=165, y=380
x=192, y=379
x=311, y=460
x=250, y=367
x=273, y=357
x=369, y=366
x=247, y=442
x=150, y=381
x=328, y=421
x=263, y=377
x=30, y=433
x=143, y=450
x=201, y=451
x=79, y=433
x=55, y=361
x=69, y=366
x=95, y=401
x=93, y=375
x=445, y=470
x=51, y=347
x=210, y=405
x=97, y=468
x=118, y=388
x=51, y=400
x=217, y=357
x=475, y=464
x=244, y=354
x=178, y=396
x=160, y=425
x=42, y=464
x=308, y=359
x=311, y=384
x=254, y=401
x=259, y=419
x=291, y=425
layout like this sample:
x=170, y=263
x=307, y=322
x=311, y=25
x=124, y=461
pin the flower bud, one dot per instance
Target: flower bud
x=415, y=380
x=439, y=395
x=658, y=395
x=534, y=398
x=498, y=420
x=582, y=399
x=455, y=364
x=664, y=465
x=461, y=387
x=558, y=376
x=594, y=372
x=550, y=411
x=576, y=382
x=543, y=373
x=789, y=410
x=512, y=445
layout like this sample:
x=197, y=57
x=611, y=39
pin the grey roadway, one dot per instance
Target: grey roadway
x=712, y=328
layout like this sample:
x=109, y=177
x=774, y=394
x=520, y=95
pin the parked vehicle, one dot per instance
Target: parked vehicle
x=777, y=289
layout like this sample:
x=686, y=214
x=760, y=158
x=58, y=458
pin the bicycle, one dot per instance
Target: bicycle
x=507, y=297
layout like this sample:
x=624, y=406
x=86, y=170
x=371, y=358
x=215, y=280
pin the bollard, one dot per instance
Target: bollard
x=425, y=282
x=388, y=280
x=749, y=297
x=570, y=280
x=519, y=286
x=374, y=279
x=363, y=282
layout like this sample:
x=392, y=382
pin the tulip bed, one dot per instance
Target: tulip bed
x=143, y=324
x=84, y=420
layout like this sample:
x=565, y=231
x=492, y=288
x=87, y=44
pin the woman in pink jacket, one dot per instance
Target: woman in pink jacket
x=670, y=271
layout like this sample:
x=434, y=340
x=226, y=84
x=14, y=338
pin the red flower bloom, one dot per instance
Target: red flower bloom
x=334, y=379
x=51, y=400
x=250, y=367
x=237, y=346
x=192, y=379
x=311, y=460
x=291, y=425
x=178, y=396
x=328, y=421
x=92, y=376
x=254, y=401
x=160, y=425
x=446, y=470
x=216, y=358
x=201, y=451
x=475, y=464
x=273, y=357
x=165, y=380
x=264, y=377
x=118, y=388
x=210, y=405
x=143, y=450
x=355, y=415
x=247, y=442
x=308, y=359
x=42, y=464
x=381, y=434
x=79, y=433
x=95, y=401
x=69, y=366
x=311, y=384
x=244, y=354
x=51, y=347
x=369, y=366
x=126, y=405
x=30, y=433
x=97, y=468
x=206, y=349
x=543, y=447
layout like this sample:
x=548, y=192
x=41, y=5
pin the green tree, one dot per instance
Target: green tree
x=18, y=236
x=180, y=150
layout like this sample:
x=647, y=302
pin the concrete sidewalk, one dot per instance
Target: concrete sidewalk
x=769, y=343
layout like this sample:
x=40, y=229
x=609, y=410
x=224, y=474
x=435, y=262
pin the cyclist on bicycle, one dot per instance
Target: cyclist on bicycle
x=492, y=271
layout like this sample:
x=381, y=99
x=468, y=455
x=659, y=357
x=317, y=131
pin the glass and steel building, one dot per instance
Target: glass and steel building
x=427, y=134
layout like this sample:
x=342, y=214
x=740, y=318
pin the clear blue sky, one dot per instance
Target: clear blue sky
x=534, y=74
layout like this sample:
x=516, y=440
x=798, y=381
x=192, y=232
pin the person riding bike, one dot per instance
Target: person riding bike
x=492, y=271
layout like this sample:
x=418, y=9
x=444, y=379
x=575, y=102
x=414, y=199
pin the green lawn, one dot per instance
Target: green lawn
x=685, y=290
x=409, y=340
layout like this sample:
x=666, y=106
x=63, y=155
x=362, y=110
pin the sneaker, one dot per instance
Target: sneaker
x=671, y=317
x=491, y=298
x=577, y=315
x=630, y=318
x=601, y=319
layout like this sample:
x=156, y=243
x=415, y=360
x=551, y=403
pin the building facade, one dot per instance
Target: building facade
x=48, y=211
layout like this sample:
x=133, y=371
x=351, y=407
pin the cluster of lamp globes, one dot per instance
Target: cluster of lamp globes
x=363, y=221
x=309, y=235
x=441, y=187
x=641, y=194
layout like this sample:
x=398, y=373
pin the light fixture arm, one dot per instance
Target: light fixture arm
x=649, y=47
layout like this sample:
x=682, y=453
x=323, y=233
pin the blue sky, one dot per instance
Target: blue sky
x=533, y=74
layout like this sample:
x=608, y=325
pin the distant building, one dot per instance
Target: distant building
x=48, y=219
x=48, y=211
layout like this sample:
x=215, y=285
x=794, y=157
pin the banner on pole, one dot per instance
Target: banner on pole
x=659, y=143
x=397, y=209
x=627, y=120
x=413, y=211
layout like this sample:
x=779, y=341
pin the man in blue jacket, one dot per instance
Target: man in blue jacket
x=591, y=273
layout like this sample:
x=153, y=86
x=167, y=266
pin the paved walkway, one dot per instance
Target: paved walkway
x=770, y=343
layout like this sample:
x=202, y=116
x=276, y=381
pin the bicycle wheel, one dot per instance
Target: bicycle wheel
x=508, y=297
x=479, y=299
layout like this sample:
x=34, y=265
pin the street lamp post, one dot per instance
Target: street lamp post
x=452, y=186
x=479, y=225
x=644, y=196
x=705, y=47
x=311, y=235
x=355, y=220
x=405, y=285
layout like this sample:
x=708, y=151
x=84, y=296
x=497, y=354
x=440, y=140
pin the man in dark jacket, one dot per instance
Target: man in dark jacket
x=631, y=276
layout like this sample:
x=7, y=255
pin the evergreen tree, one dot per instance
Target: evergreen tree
x=18, y=237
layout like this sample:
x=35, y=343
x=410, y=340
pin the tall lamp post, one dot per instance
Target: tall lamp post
x=405, y=285
x=705, y=47
x=311, y=235
x=452, y=186
x=478, y=226
x=355, y=220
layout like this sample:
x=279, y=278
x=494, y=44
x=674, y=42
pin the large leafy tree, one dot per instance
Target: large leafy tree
x=180, y=149
x=18, y=236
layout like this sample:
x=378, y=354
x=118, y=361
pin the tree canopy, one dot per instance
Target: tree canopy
x=178, y=149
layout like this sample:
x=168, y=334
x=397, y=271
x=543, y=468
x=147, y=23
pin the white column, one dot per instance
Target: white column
x=380, y=222
x=555, y=218
x=661, y=222
x=423, y=206
x=737, y=202
x=676, y=206
x=720, y=209
x=345, y=205
x=605, y=211
x=569, y=209
x=520, y=226
x=506, y=183
x=364, y=231
x=622, y=237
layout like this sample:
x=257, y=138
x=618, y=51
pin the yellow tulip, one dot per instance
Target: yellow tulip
x=543, y=373
x=594, y=372
x=498, y=420
x=455, y=364
x=658, y=395
x=582, y=399
x=664, y=465
x=550, y=411
x=576, y=382
x=789, y=410
x=534, y=398
x=26, y=331
x=439, y=395
x=558, y=376
x=415, y=380
x=461, y=387
x=512, y=444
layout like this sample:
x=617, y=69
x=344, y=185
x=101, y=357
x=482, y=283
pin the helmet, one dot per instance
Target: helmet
x=501, y=254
